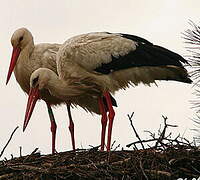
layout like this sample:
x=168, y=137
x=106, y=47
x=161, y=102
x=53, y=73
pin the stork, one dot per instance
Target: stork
x=97, y=64
x=26, y=58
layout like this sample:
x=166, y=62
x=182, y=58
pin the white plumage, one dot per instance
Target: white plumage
x=26, y=58
x=97, y=64
x=92, y=49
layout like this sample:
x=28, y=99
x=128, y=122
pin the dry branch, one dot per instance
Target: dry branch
x=137, y=135
x=8, y=141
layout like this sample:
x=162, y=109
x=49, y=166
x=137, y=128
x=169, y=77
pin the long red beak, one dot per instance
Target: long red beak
x=32, y=99
x=15, y=55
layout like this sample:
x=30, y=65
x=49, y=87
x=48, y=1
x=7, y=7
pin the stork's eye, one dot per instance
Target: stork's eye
x=21, y=38
x=35, y=80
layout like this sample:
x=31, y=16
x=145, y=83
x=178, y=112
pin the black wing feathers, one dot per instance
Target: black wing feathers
x=145, y=54
x=136, y=38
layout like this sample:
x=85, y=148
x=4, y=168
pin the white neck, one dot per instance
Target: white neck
x=26, y=52
x=62, y=89
x=22, y=69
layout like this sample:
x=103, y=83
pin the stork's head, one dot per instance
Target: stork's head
x=19, y=40
x=40, y=78
x=38, y=81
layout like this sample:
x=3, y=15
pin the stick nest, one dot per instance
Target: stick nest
x=160, y=157
x=172, y=163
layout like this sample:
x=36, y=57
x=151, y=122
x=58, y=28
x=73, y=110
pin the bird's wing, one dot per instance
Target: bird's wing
x=46, y=53
x=107, y=52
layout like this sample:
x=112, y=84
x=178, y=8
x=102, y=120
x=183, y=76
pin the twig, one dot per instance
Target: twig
x=143, y=171
x=116, y=147
x=156, y=172
x=162, y=134
x=8, y=141
x=119, y=163
x=144, y=141
x=28, y=167
x=35, y=150
x=151, y=134
x=187, y=143
x=20, y=151
x=6, y=176
x=169, y=135
x=113, y=144
x=93, y=148
x=96, y=165
x=131, y=121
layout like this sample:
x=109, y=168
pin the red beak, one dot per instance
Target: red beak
x=15, y=55
x=32, y=99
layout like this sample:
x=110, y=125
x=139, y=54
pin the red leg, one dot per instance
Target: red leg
x=53, y=127
x=71, y=126
x=103, y=122
x=111, y=116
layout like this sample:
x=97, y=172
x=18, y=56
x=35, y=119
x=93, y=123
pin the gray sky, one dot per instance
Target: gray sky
x=161, y=22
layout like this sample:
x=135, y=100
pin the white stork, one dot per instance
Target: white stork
x=100, y=63
x=26, y=58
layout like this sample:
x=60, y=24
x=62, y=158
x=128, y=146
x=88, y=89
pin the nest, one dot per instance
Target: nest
x=168, y=158
x=172, y=163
